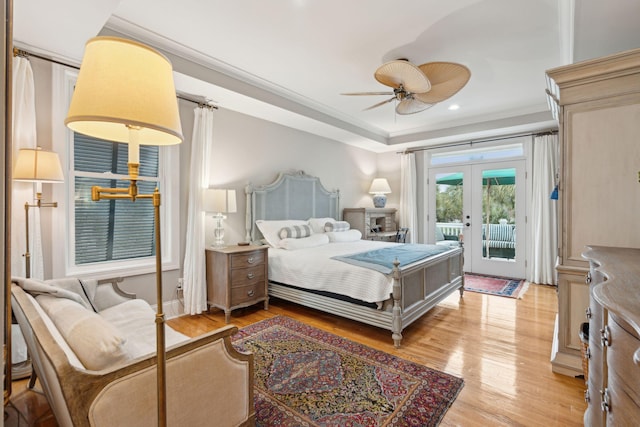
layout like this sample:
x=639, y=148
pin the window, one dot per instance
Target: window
x=110, y=237
x=111, y=230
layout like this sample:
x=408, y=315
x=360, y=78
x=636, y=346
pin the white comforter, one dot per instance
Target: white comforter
x=313, y=268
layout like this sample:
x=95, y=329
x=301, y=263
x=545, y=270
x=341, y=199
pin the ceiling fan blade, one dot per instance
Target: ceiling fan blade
x=447, y=78
x=367, y=93
x=379, y=104
x=403, y=73
x=410, y=105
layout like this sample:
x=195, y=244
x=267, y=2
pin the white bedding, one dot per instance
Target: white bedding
x=312, y=268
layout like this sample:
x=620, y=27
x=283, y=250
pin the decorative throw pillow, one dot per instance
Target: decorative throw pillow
x=317, y=224
x=344, y=236
x=295, y=232
x=97, y=343
x=337, y=226
x=270, y=229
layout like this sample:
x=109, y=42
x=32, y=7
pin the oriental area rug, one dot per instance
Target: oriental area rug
x=504, y=287
x=308, y=377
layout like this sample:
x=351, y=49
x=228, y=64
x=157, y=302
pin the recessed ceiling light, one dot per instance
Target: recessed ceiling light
x=453, y=107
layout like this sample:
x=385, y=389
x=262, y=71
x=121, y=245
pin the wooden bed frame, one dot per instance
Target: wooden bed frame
x=417, y=287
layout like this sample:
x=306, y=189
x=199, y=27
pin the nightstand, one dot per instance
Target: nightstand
x=237, y=276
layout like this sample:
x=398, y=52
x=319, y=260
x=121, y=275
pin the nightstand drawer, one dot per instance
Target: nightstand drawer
x=246, y=293
x=248, y=259
x=246, y=276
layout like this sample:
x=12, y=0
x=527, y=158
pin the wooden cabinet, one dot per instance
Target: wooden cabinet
x=237, y=276
x=373, y=223
x=613, y=388
x=598, y=190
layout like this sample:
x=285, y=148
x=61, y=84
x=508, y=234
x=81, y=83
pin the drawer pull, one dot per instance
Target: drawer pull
x=587, y=398
x=587, y=353
x=587, y=280
x=605, y=405
x=250, y=293
x=587, y=312
x=250, y=276
x=605, y=336
x=251, y=260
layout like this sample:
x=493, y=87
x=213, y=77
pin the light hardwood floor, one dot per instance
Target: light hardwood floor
x=499, y=346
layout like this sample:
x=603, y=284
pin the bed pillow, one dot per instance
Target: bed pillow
x=295, y=232
x=344, y=236
x=317, y=224
x=271, y=229
x=337, y=226
x=312, y=241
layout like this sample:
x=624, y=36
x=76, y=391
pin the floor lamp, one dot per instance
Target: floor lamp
x=39, y=166
x=125, y=93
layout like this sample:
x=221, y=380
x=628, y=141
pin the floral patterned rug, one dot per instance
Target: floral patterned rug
x=504, y=287
x=308, y=377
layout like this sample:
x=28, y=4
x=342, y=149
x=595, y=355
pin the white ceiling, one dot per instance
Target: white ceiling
x=288, y=60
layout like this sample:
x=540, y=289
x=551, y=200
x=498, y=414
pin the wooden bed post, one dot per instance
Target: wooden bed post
x=396, y=327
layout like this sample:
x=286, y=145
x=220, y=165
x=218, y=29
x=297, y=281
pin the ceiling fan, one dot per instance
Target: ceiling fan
x=417, y=88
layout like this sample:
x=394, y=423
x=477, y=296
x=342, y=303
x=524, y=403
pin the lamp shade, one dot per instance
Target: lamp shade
x=380, y=186
x=37, y=165
x=219, y=200
x=123, y=84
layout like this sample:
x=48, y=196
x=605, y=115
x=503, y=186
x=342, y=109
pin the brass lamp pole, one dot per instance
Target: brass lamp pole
x=125, y=93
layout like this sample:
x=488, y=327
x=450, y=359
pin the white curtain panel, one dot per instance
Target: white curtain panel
x=195, y=286
x=24, y=136
x=544, y=219
x=408, y=195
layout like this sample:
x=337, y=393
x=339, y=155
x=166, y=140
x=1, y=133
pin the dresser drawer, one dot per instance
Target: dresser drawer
x=247, y=276
x=247, y=259
x=622, y=370
x=241, y=294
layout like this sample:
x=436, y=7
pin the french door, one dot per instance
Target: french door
x=482, y=207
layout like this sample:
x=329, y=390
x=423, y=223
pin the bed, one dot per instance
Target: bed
x=390, y=297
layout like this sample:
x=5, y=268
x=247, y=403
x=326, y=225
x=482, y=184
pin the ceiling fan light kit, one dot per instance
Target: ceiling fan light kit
x=417, y=88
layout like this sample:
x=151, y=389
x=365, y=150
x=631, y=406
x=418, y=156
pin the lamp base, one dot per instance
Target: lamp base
x=379, y=200
x=218, y=232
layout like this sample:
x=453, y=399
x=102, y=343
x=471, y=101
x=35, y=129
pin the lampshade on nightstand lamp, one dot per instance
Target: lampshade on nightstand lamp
x=219, y=201
x=379, y=188
x=125, y=93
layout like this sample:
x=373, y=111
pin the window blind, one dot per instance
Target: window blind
x=110, y=230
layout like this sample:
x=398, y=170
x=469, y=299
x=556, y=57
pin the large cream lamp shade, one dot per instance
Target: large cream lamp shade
x=124, y=85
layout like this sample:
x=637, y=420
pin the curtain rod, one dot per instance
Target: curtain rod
x=480, y=141
x=26, y=54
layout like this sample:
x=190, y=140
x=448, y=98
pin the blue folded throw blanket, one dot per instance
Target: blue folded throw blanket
x=382, y=259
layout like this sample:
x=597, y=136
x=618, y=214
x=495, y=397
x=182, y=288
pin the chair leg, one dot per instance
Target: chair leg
x=32, y=379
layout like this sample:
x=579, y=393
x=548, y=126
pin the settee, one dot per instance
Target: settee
x=92, y=348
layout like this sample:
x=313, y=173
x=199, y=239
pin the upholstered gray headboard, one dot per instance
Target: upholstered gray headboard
x=293, y=195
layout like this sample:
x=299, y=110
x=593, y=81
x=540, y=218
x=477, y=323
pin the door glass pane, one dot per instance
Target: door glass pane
x=499, y=214
x=449, y=208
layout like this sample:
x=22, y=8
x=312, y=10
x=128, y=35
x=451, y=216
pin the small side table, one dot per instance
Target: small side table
x=237, y=276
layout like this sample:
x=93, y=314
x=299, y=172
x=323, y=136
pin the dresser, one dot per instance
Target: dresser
x=613, y=388
x=373, y=223
x=598, y=112
x=237, y=276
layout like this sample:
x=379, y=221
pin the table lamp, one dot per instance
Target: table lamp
x=219, y=201
x=379, y=188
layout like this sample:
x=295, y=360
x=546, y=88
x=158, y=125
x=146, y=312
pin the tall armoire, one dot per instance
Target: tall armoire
x=598, y=109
